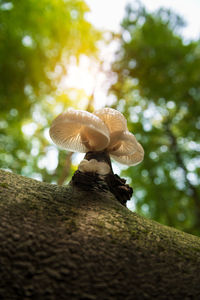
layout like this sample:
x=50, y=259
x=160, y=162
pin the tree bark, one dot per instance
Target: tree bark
x=61, y=242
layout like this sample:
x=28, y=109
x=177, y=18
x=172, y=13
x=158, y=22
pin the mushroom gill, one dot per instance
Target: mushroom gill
x=132, y=159
x=79, y=131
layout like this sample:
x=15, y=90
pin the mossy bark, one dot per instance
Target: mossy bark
x=66, y=243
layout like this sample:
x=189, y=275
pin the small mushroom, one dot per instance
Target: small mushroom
x=105, y=130
x=132, y=159
x=100, y=135
x=123, y=146
x=79, y=131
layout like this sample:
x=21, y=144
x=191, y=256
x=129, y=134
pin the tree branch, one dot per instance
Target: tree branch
x=61, y=242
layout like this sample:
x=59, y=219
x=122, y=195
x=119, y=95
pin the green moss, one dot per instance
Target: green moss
x=4, y=185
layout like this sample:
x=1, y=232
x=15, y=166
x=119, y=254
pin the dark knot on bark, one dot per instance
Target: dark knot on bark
x=92, y=180
x=111, y=182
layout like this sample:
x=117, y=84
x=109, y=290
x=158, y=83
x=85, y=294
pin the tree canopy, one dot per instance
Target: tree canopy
x=157, y=87
x=38, y=41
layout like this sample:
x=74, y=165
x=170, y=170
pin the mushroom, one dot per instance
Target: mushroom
x=79, y=131
x=100, y=135
x=105, y=131
x=123, y=146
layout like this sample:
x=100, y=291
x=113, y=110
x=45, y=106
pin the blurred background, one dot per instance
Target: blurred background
x=142, y=58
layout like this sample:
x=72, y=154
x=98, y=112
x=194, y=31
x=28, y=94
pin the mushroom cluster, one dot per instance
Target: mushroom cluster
x=100, y=135
x=104, y=130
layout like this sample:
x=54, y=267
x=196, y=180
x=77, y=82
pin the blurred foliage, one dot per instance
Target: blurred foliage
x=38, y=41
x=158, y=89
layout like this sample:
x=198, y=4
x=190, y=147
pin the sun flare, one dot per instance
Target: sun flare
x=86, y=76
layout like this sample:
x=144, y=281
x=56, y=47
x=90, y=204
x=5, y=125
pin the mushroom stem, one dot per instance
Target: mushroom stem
x=101, y=156
x=90, y=180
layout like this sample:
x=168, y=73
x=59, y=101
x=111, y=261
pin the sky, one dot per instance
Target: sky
x=107, y=14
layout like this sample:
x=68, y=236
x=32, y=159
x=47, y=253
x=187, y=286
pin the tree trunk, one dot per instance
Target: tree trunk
x=65, y=243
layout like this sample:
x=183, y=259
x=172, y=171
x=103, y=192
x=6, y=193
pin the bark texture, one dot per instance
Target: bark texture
x=66, y=243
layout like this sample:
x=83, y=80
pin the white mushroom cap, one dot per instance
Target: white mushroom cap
x=123, y=146
x=79, y=131
x=113, y=119
x=132, y=159
x=106, y=129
